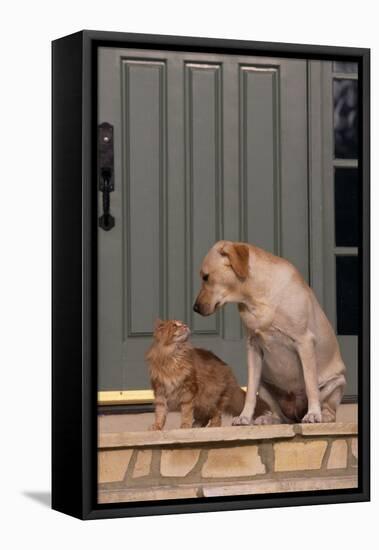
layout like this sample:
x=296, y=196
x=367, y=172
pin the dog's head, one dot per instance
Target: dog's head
x=224, y=269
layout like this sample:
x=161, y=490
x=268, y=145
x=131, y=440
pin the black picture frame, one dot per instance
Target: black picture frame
x=74, y=273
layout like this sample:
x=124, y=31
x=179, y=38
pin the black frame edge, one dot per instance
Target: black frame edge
x=248, y=47
x=67, y=421
x=75, y=275
x=364, y=405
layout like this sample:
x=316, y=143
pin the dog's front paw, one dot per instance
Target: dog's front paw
x=241, y=421
x=312, y=417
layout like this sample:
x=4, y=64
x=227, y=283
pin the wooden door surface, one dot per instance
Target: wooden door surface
x=207, y=147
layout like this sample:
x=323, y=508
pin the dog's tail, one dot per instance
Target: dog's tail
x=237, y=401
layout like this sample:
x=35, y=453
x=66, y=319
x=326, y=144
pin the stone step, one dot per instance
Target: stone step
x=214, y=461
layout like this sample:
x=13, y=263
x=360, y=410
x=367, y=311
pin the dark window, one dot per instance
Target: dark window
x=347, y=295
x=346, y=204
x=345, y=67
x=345, y=96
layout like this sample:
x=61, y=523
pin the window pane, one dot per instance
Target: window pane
x=347, y=278
x=345, y=94
x=345, y=67
x=346, y=206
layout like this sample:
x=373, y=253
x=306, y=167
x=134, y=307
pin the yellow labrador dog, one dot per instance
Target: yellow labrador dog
x=293, y=355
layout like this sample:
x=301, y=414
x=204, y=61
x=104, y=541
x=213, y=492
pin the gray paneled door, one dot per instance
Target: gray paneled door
x=207, y=147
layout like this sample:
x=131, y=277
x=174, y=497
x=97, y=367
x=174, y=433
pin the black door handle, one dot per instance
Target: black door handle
x=106, y=173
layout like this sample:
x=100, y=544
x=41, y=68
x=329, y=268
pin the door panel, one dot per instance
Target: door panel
x=144, y=129
x=207, y=147
x=259, y=150
x=203, y=176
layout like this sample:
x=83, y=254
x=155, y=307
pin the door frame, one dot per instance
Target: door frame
x=321, y=165
x=320, y=216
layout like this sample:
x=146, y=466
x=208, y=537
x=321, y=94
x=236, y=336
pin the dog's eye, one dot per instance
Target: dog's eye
x=205, y=277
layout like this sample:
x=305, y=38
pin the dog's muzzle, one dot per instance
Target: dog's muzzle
x=204, y=309
x=196, y=307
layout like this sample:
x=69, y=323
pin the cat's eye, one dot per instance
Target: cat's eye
x=206, y=277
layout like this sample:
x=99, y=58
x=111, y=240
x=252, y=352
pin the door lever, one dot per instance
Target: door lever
x=106, y=173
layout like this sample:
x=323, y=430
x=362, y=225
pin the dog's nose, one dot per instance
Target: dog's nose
x=196, y=307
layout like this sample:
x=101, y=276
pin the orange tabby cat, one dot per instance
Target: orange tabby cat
x=192, y=380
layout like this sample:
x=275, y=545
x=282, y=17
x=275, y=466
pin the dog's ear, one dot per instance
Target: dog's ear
x=238, y=255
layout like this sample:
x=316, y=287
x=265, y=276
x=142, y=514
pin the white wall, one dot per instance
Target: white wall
x=26, y=31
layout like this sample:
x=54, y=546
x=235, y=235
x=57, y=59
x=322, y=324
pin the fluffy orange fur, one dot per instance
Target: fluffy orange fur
x=192, y=380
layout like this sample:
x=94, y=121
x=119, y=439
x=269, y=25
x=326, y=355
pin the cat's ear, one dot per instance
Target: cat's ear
x=158, y=323
x=238, y=256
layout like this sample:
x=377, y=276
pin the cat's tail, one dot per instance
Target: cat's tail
x=237, y=401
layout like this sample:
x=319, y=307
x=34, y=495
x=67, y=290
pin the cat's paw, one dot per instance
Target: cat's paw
x=241, y=421
x=155, y=427
x=312, y=417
